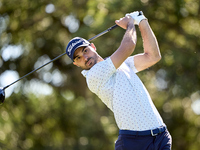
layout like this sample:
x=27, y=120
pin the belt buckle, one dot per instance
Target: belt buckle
x=153, y=133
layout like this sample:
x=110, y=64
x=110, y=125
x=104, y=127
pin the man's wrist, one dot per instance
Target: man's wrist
x=143, y=23
x=130, y=25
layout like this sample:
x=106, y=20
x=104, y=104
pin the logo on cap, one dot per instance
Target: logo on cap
x=73, y=45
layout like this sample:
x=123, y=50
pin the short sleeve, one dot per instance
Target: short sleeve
x=130, y=62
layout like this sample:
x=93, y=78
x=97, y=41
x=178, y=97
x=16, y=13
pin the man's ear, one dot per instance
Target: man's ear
x=75, y=64
x=93, y=46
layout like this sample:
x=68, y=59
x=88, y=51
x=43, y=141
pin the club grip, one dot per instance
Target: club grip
x=113, y=27
x=140, y=13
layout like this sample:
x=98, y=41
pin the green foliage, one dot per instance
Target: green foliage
x=53, y=108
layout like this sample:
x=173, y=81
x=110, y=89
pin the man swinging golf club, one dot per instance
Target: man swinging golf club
x=115, y=82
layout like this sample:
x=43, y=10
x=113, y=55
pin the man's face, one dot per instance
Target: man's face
x=85, y=57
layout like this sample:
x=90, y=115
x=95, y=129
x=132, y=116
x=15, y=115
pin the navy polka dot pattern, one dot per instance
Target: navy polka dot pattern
x=124, y=93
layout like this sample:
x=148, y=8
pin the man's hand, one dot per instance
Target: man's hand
x=137, y=16
x=125, y=22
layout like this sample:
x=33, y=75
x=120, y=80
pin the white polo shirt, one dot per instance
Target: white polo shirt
x=124, y=93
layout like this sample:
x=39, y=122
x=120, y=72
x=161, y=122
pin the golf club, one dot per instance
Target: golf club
x=2, y=89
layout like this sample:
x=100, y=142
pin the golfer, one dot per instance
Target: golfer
x=115, y=82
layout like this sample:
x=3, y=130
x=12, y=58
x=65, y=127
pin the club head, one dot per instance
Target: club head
x=2, y=95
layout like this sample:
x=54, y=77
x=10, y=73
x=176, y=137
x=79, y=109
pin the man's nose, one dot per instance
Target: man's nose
x=85, y=57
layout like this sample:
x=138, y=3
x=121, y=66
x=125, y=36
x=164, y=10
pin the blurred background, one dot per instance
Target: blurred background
x=53, y=108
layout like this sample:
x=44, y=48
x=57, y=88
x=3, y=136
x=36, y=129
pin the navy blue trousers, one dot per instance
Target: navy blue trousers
x=162, y=141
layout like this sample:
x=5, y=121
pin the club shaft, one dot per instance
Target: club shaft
x=104, y=32
x=34, y=70
x=96, y=36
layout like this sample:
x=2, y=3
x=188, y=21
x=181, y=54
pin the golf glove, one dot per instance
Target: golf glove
x=137, y=17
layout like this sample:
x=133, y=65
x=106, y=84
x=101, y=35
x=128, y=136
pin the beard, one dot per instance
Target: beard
x=90, y=63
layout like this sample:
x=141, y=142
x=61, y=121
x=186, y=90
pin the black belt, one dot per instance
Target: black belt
x=152, y=132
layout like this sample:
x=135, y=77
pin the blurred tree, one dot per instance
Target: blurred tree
x=53, y=108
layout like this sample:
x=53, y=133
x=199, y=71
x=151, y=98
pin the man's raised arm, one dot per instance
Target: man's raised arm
x=128, y=42
x=151, y=53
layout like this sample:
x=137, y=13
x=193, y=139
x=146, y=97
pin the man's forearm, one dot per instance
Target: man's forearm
x=128, y=43
x=130, y=37
x=150, y=43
